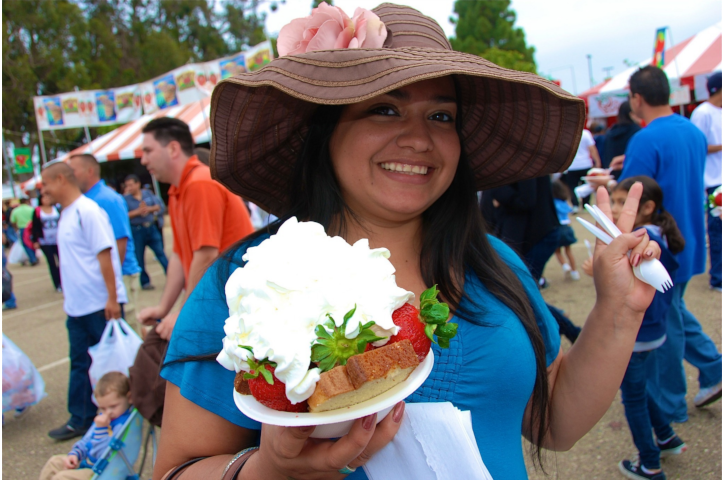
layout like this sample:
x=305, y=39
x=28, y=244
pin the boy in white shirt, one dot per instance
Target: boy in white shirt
x=90, y=272
x=708, y=118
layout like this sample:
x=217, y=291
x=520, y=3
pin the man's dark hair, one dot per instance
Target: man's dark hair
x=133, y=177
x=652, y=83
x=167, y=129
x=24, y=201
x=91, y=161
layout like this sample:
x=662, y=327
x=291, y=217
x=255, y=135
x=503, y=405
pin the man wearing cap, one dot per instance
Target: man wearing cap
x=672, y=151
x=708, y=118
x=87, y=171
x=206, y=218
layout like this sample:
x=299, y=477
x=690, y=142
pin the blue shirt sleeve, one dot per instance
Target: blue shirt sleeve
x=118, y=215
x=199, y=331
x=547, y=325
x=640, y=158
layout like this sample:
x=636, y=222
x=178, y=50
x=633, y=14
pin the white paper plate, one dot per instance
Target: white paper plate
x=336, y=423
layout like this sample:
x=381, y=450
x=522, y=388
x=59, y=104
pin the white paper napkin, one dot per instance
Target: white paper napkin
x=435, y=442
x=583, y=190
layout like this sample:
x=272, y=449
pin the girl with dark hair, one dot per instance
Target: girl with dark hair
x=390, y=142
x=643, y=414
x=566, y=233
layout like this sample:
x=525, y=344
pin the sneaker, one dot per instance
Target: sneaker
x=9, y=307
x=20, y=412
x=635, y=471
x=709, y=395
x=543, y=283
x=672, y=446
x=148, y=286
x=566, y=267
x=59, y=290
x=575, y=275
x=66, y=432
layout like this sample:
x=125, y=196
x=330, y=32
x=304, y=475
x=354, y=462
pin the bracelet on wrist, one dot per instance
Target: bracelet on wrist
x=246, y=453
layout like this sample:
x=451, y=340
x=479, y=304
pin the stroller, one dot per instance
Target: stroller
x=117, y=461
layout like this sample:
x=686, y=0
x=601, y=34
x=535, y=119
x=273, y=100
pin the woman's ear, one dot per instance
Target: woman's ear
x=647, y=208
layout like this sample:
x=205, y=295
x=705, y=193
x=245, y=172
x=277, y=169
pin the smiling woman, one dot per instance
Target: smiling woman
x=390, y=143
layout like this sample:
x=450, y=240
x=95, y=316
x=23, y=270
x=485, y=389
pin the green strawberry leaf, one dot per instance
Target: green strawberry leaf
x=429, y=294
x=319, y=352
x=444, y=342
x=322, y=332
x=447, y=330
x=429, y=331
x=267, y=375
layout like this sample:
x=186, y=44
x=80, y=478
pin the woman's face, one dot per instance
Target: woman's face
x=396, y=154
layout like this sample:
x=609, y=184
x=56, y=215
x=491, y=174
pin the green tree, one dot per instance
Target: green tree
x=51, y=46
x=486, y=28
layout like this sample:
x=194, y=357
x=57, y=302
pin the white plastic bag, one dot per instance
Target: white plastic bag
x=17, y=253
x=22, y=384
x=115, y=352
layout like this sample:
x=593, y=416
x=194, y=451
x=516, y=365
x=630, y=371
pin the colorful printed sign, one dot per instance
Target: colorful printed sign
x=23, y=160
x=658, y=60
x=606, y=104
x=184, y=85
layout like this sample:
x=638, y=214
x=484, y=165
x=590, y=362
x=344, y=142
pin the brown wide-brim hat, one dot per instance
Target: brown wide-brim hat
x=516, y=125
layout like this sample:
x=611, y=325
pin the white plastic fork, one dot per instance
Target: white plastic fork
x=650, y=271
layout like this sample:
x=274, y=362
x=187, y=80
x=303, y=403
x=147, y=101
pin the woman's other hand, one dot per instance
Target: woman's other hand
x=616, y=285
x=290, y=453
x=588, y=266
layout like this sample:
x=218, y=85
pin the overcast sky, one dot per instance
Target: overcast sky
x=565, y=31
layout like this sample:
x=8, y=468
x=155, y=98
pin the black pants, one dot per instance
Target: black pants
x=51, y=255
x=572, y=178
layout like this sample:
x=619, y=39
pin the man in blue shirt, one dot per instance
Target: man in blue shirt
x=672, y=151
x=144, y=208
x=87, y=171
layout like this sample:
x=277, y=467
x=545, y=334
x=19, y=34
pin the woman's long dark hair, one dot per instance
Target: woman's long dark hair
x=454, y=244
x=623, y=117
x=660, y=217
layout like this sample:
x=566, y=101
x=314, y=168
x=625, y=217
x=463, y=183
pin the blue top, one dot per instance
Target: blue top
x=95, y=441
x=672, y=151
x=489, y=370
x=654, y=324
x=563, y=209
x=150, y=200
x=115, y=206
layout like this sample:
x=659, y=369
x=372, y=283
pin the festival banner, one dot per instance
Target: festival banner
x=658, y=60
x=606, y=104
x=23, y=160
x=190, y=83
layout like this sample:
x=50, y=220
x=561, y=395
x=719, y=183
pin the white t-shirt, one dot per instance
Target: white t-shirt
x=84, y=231
x=582, y=160
x=50, y=227
x=708, y=118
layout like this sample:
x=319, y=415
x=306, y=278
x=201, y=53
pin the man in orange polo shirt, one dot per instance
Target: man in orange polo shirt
x=206, y=218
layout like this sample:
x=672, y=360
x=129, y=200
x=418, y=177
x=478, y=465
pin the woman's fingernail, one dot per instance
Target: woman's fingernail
x=398, y=412
x=649, y=253
x=640, y=232
x=369, y=421
x=635, y=260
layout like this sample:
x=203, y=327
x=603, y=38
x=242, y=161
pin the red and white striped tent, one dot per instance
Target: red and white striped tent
x=700, y=54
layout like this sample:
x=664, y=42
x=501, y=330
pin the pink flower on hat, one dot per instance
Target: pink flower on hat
x=328, y=28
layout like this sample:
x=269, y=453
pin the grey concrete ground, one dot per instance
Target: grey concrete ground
x=38, y=327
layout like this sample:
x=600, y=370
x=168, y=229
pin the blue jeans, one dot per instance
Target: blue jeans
x=714, y=233
x=83, y=332
x=685, y=340
x=541, y=252
x=151, y=237
x=642, y=412
x=11, y=235
x=28, y=250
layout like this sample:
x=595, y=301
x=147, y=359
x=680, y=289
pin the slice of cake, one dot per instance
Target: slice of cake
x=365, y=376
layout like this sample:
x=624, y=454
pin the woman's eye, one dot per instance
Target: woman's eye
x=388, y=111
x=441, y=117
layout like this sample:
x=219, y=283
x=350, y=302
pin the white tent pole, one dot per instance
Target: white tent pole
x=42, y=146
x=206, y=120
x=8, y=165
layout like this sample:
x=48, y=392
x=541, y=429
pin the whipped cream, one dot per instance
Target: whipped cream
x=289, y=285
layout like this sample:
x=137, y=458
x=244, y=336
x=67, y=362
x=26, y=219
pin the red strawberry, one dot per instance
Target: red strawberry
x=419, y=327
x=718, y=199
x=268, y=390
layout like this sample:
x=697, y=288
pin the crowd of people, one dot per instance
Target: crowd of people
x=487, y=254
